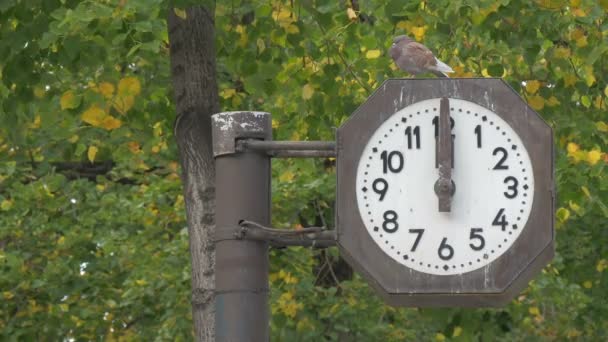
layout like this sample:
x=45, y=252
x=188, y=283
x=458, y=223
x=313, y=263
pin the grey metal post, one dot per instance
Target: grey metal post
x=242, y=193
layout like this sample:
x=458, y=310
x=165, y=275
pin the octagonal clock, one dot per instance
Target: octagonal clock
x=445, y=192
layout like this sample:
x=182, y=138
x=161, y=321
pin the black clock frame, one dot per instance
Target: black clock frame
x=492, y=285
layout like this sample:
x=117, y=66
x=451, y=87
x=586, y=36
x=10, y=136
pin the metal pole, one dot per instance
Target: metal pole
x=242, y=193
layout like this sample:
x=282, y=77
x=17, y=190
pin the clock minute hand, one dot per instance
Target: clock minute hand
x=444, y=187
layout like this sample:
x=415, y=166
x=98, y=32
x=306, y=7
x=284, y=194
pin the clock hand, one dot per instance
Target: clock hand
x=444, y=187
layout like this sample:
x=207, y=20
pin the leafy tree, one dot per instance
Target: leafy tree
x=93, y=237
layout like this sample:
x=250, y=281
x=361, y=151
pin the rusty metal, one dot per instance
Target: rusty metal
x=316, y=237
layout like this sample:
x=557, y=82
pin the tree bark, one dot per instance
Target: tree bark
x=193, y=69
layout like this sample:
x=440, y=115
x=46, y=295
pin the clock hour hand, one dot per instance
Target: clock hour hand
x=444, y=187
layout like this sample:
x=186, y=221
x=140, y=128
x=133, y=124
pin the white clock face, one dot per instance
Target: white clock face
x=493, y=178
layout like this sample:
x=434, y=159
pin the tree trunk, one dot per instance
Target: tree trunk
x=192, y=51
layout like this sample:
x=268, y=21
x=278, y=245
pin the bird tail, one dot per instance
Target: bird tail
x=441, y=69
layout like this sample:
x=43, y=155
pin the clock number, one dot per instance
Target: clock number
x=380, y=187
x=499, y=165
x=408, y=133
x=419, y=233
x=478, y=133
x=500, y=219
x=475, y=235
x=390, y=224
x=511, y=187
x=445, y=251
x=388, y=161
x=436, y=124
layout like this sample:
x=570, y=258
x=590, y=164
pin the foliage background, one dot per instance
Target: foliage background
x=93, y=243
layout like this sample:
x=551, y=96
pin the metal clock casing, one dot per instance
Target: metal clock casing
x=487, y=282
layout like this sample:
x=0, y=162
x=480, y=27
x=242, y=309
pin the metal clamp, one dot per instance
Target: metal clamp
x=316, y=237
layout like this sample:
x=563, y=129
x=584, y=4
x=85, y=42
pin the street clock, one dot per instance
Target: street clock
x=445, y=192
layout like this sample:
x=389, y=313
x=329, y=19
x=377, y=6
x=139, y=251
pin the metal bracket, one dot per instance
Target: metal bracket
x=316, y=237
x=289, y=149
x=228, y=127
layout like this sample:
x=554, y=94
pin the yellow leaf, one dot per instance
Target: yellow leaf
x=534, y=311
x=109, y=123
x=7, y=295
x=122, y=104
x=579, y=12
x=570, y=80
x=284, y=16
x=93, y=116
x=581, y=42
x=141, y=282
x=586, y=191
x=606, y=91
x=372, y=54
x=599, y=103
x=440, y=337
x=61, y=240
x=36, y=123
x=287, y=176
x=552, y=101
x=91, y=153
x=536, y=102
x=459, y=72
x=601, y=265
x=562, y=215
x=261, y=45
x=6, y=204
x=351, y=14
x=293, y=29
x=68, y=100
x=134, y=147
x=457, y=331
x=572, y=148
x=180, y=13
x=577, y=33
x=418, y=32
x=106, y=89
x=74, y=138
x=575, y=207
x=275, y=123
x=129, y=86
x=307, y=91
x=587, y=284
x=589, y=76
x=39, y=92
x=532, y=86
x=228, y=93
x=594, y=156
x=601, y=126
x=404, y=25
x=561, y=52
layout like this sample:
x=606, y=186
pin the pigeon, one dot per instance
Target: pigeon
x=416, y=58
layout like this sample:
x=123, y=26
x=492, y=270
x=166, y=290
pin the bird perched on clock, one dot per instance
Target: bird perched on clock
x=415, y=58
